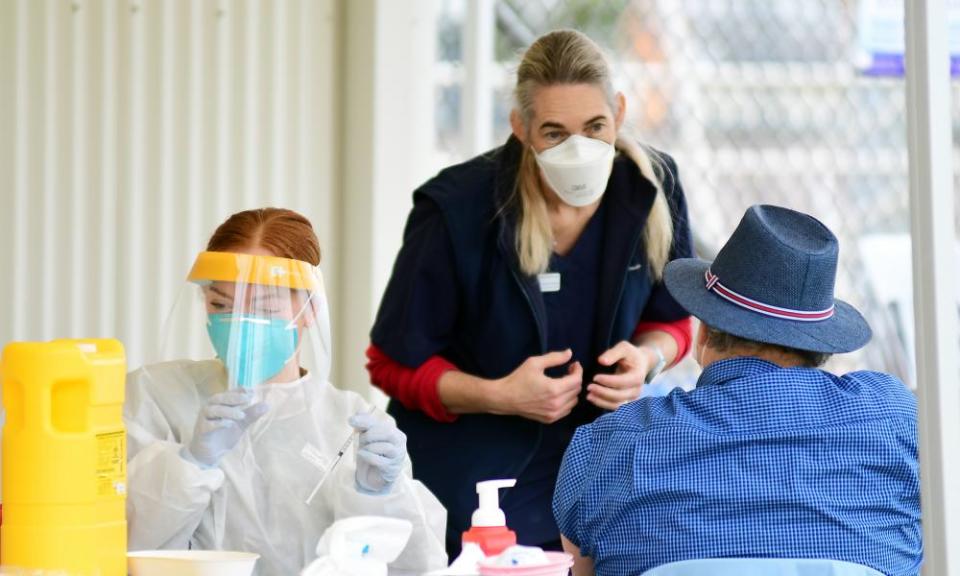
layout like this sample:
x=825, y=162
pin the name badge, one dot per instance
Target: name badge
x=549, y=281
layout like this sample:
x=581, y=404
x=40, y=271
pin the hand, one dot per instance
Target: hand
x=610, y=391
x=382, y=450
x=530, y=393
x=221, y=424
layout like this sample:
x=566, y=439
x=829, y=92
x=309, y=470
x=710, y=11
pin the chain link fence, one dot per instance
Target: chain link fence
x=759, y=101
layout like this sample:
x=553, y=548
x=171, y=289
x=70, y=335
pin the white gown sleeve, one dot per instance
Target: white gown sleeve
x=167, y=495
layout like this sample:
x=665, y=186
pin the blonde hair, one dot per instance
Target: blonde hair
x=570, y=57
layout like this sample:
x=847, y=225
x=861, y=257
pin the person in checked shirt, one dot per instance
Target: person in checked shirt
x=770, y=456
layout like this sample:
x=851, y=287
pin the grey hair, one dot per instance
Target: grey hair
x=570, y=57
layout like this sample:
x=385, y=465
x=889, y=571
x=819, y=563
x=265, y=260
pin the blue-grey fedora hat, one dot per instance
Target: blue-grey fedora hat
x=772, y=282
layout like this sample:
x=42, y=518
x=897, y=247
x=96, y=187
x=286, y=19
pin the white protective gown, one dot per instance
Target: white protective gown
x=255, y=499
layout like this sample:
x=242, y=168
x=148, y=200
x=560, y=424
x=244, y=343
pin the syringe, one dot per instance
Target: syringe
x=343, y=449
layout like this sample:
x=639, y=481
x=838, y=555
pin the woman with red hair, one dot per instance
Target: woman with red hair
x=237, y=439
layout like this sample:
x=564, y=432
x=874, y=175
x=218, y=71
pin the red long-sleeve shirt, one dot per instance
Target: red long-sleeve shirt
x=416, y=388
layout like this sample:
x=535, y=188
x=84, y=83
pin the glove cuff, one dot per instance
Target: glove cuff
x=189, y=457
x=382, y=492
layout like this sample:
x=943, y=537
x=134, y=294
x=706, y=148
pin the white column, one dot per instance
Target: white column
x=8, y=144
x=476, y=115
x=388, y=136
x=935, y=307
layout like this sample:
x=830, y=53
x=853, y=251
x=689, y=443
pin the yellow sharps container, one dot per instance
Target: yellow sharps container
x=64, y=457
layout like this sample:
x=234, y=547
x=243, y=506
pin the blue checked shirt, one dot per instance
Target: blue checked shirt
x=758, y=461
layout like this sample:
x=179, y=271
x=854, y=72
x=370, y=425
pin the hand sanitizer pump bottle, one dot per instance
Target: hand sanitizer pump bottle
x=489, y=525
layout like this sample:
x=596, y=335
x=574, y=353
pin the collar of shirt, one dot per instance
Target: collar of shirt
x=723, y=371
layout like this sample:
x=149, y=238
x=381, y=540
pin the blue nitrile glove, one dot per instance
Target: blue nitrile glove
x=382, y=450
x=220, y=425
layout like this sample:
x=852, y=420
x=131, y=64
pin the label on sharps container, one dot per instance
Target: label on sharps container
x=549, y=281
x=111, y=464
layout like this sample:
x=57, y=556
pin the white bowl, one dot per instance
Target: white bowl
x=190, y=563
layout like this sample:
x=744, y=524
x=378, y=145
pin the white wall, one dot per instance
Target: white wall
x=130, y=129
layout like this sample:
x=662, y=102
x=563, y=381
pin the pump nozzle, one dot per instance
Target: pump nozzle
x=489, y=512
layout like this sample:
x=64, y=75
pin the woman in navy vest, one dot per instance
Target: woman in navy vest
x=527, y=296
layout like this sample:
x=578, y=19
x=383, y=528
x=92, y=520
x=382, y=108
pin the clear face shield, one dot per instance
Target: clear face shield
x=264, y=317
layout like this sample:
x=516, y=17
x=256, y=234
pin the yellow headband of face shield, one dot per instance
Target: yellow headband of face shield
x=250, y=269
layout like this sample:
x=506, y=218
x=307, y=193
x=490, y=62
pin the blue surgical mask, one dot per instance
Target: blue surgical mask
x=260, y=349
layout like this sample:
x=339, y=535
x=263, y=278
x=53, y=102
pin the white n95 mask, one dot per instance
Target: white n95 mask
x=577, y=169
